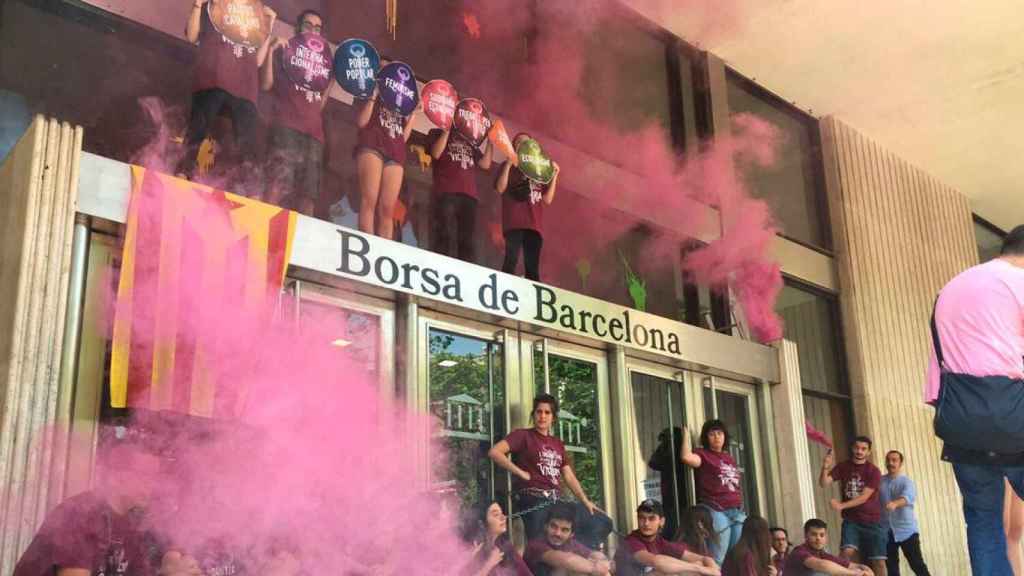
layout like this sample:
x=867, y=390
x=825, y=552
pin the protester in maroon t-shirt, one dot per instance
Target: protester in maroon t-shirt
x=380, y=159
x=102, y=531
x=486, y=527
x=538, y=466
x=522, y=214
x=226, y=78
x=557, y=550
x=780, y=548
x=718, y=482
x=645, y=547
x=858, y=481
x=810, y=558
x=296, y=137
x=455, y=194
x=752, y=555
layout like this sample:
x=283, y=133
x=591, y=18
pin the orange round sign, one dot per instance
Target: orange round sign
x=240, y=21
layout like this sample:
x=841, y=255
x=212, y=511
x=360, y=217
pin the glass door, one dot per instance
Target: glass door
x=466, y=397
x=577, y=377
x=734, y=404
x=659, y=408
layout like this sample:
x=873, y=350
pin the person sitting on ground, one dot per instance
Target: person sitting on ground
x=810, y=558
x=556, y=552
x=697, y=532
x=646, y=548
x=752, y=555
x=101, y=531
x=487, y=528
x=780, y=548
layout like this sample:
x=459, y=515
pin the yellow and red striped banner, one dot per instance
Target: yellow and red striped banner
x=190, y=253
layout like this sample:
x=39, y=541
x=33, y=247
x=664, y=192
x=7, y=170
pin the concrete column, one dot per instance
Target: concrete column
x=793, y=456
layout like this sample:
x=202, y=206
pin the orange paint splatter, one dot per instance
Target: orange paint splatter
x=472, y=25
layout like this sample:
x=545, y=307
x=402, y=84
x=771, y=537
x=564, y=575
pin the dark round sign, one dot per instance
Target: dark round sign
x=355, y=67
x=439, y=100
x=240, y=21
x=307, y=62
x=398, y=90
x=472, y=120
x=533, y=163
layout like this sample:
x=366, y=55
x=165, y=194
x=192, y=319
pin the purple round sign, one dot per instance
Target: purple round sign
x=308, y=62
x=397, y=88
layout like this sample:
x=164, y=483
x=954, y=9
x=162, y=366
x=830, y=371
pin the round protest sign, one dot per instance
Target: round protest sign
x=439, y=100
x=533, y=163
x=398, y=90
x=307, y=62
x=472, y=120
x=240, y=22
x=355, y=67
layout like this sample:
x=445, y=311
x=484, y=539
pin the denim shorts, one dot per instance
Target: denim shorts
x=868, y=539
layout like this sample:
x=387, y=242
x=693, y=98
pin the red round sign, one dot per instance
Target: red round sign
x=439, y=99
x=308, y=62
x=472, y=120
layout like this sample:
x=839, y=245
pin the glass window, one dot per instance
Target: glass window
x=574, y=383
x=811, y=320
x=355, y=333
x=467, y=399
x=658, y=416
x=828, y=416
x=793, y=186
x=989, y=238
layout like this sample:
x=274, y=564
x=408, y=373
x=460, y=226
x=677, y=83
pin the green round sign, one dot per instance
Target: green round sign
x=533, y=163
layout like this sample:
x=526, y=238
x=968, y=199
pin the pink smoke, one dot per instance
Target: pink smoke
x=818, y=436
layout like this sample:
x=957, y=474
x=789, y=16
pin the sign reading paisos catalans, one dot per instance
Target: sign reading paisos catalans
x=241, y=22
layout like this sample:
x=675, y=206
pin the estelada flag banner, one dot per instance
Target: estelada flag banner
x=192, y=256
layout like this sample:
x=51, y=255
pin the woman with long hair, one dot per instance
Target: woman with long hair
x=380, y=160
x=752, y=554
x=718, y=481
x=486, y=527
x=697, y=531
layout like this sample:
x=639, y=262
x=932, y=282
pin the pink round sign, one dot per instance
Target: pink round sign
x=439, y=99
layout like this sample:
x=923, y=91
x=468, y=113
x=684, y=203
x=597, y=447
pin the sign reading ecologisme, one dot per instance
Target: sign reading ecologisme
x=356, y=62
x=307, y=62
x=533, y=162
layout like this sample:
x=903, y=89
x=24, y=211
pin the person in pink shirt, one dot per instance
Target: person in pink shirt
x=976, y=382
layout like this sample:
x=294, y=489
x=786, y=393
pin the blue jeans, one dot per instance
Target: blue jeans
x=983, y=492
x=591, y=530
x=728, y=525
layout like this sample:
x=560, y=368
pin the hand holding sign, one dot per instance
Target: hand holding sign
x=398, y=88
x=439, y=99
x=355, y=65
x=499, y=138
x=472, y=120
x=533, y=163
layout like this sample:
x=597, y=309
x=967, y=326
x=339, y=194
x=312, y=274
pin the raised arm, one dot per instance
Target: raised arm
x=686, y=454
x=261, y=54
x=499, y=454
x=195, y=21
x=549, y=195
x=366, y=112
x=485, y=161
x=408, y=125
x=825, y=477
x=439, y=144
x=267, y=68
x=501, y=185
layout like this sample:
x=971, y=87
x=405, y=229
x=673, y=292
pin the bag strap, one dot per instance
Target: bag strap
x=935, y=339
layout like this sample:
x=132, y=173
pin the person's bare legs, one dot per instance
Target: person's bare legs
x=369, y=166
x=1013, y=523
x=390, y=185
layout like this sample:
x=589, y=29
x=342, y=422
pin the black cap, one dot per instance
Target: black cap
x=651, y=506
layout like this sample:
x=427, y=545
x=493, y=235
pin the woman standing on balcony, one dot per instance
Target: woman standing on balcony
x=539, y=465
x=380, y=159
x=718, y=483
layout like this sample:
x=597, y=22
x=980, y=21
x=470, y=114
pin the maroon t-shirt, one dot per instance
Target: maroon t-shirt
x=294, y=106
x=536, y=549
x=539, y=455
x=797, y=556
x=779, y=561
x=853, y=479
x=85, y=532
x=522, y=204
x=455, y=170
x=511, y=565
x=221, y=64
x=636, y=543
x=385, y=133
x=718, y=480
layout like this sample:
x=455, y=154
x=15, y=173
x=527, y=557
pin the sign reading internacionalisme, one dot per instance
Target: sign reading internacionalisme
x=372, y=260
